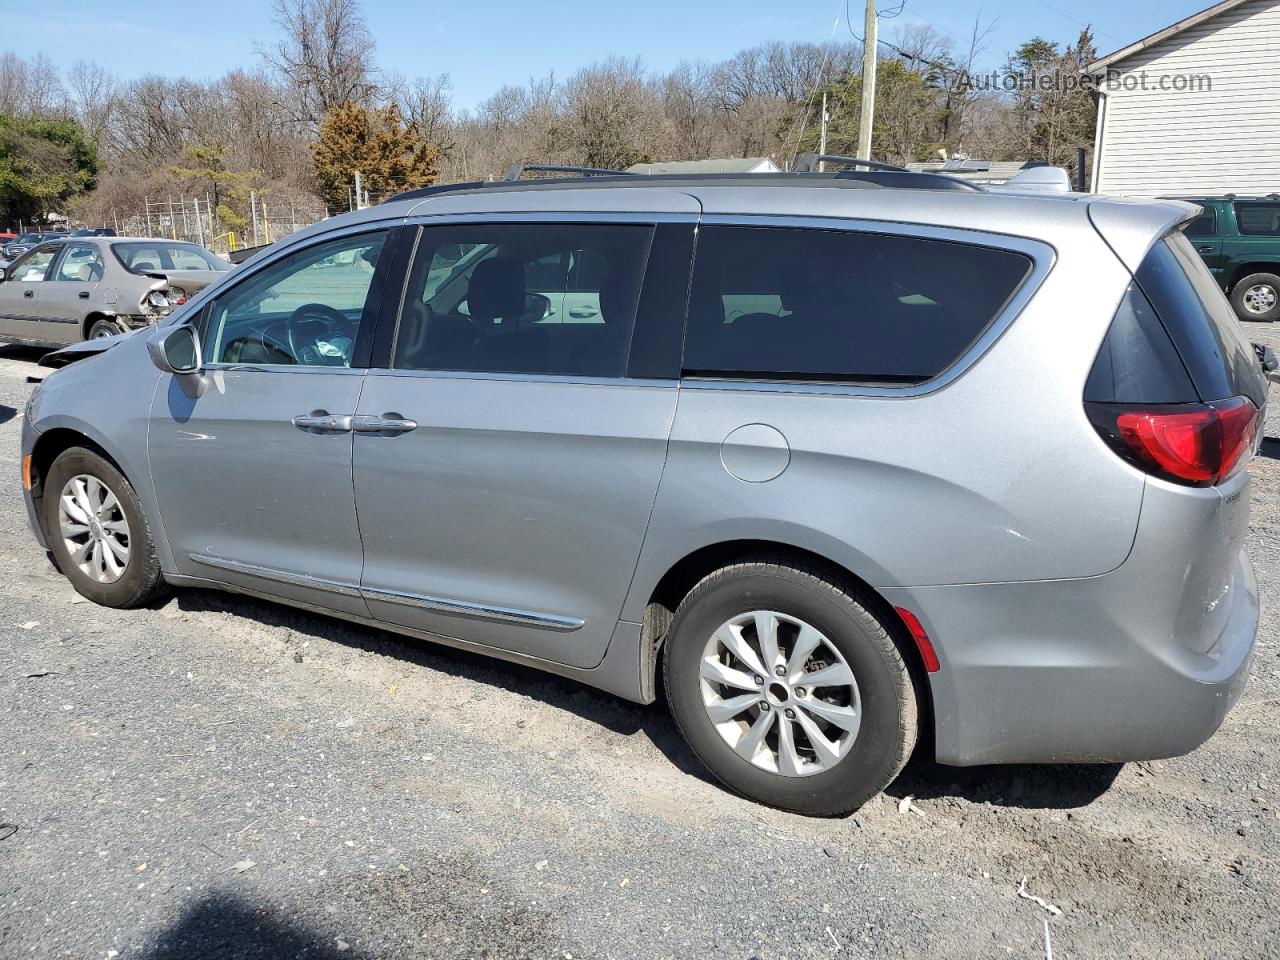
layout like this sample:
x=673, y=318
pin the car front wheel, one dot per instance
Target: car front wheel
x=97, y=532
x=1257, y=297
x=790, y=688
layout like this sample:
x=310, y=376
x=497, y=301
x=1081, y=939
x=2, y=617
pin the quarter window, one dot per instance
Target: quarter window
x=802, y=304
x=1258, y=219
x=303, y=310
x=554, y=299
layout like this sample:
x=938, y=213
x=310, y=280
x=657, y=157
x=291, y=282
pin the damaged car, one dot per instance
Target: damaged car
x=82, y=288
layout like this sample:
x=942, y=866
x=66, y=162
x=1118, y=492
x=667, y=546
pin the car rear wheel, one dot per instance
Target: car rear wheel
x=103, y=327
x=790, y=688
x=1257, y=297
x=95, y=527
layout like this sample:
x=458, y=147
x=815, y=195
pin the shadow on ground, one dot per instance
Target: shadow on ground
x=18, y=351
x=7, y=414
x=1057, y=786
x=1270, y=448
x=593, y=706
x=225, y=927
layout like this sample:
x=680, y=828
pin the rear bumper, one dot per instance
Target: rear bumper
x=1078, y=670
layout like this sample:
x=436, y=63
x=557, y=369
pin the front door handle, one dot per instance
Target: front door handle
x=323, y=422
x=28, y=294
x=1205, y=249
x=83, y=294
x=388, y=423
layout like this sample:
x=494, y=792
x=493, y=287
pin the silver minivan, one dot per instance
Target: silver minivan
x=845, y=460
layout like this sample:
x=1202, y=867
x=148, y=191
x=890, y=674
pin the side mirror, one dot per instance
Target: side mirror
x=175, y=350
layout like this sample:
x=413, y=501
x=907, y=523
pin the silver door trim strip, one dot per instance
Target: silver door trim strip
x=480, y=611
x=280, y=576
x=465, y=608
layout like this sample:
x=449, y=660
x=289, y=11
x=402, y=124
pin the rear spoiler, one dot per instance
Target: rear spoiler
x=1039, y=180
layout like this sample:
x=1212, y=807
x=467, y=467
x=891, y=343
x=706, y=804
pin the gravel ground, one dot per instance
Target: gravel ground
x=217, y=777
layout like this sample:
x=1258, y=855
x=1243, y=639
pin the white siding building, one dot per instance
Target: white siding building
x=1195, y=108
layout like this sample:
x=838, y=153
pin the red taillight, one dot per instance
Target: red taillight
x=923, y=643
x=1196, y=444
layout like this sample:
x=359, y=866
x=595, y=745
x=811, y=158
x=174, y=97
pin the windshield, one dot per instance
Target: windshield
x=28, y=238
x=150, y=256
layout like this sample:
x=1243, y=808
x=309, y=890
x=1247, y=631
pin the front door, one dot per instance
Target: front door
x=20, y=294
x=505, y=466
x=65, y=299
x=254, y=475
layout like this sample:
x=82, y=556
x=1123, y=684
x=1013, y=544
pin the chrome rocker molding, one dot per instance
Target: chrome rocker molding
x=280, y=576
x=464, y=608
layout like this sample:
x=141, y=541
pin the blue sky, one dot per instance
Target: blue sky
x=484, y=45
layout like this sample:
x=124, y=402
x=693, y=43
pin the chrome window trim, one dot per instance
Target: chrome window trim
x=280, y=576
x=523, y=377
x=533, y=216
x=1042, y=256
x=289, y=368
x=479, y=611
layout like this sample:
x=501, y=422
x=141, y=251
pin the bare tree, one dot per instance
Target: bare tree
x=93, y=89
x=325, y=56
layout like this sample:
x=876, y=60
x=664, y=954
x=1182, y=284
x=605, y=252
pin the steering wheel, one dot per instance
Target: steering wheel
x=303, y=336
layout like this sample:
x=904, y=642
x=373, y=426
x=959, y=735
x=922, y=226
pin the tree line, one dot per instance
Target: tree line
x=315, y=106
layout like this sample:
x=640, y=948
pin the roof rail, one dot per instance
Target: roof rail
x=518, y=170
x=808, y=163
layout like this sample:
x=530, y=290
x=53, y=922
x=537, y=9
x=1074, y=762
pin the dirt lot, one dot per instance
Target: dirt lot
x=219, y=778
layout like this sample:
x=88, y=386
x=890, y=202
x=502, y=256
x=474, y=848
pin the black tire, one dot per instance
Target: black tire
x=102, y=327
x=1246, y=294
x=888, y=729
x=141, y=580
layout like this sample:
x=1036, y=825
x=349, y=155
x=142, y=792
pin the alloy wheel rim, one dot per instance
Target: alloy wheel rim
x=780, y=693
x=1260, y=298
x=94, y=528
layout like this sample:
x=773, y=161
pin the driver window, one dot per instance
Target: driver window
x=302, y=310
x=36, y=265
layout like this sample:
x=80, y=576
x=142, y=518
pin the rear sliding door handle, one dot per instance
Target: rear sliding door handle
x=323, y=422
x=384, y=424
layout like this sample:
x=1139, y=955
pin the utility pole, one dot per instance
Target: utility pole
x=359, y=191
x=868, y=84
x=253, y=209
x=822, y=137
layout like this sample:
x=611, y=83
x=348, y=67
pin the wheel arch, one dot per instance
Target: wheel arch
x=683, y=575
x=90, y=319
x=1252, y=267
x=55, y=441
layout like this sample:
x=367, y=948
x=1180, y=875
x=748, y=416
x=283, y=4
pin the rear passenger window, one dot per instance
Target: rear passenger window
x=553, y=299
x=1205, y=225
x=801, y=304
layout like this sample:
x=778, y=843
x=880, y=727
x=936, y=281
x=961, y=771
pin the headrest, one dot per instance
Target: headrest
x=496, y=289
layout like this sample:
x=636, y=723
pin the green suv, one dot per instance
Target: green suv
x=1239, y=239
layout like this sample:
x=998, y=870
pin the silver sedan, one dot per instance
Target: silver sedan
x=76, y=289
